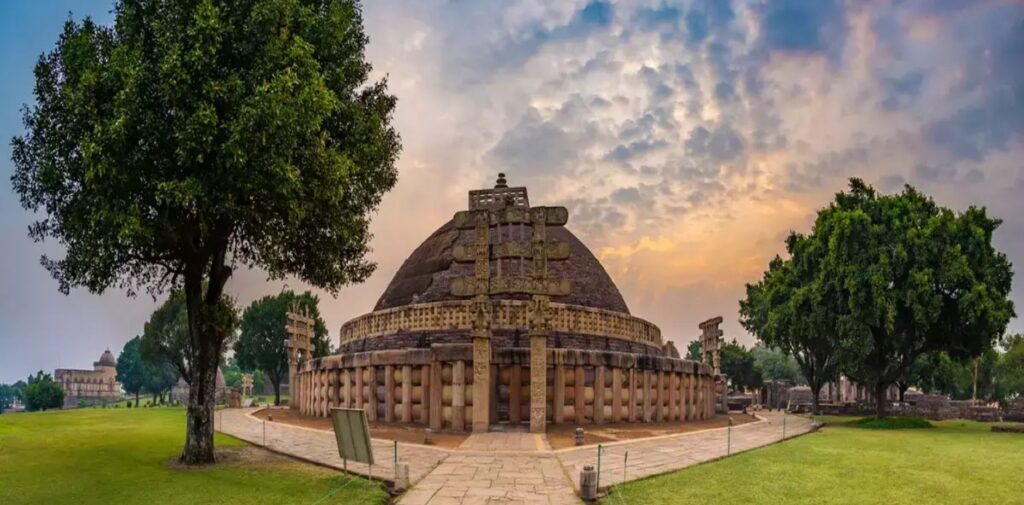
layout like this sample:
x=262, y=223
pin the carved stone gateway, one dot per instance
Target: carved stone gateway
x=299, y=327
x=711, y=343
x=495, y=216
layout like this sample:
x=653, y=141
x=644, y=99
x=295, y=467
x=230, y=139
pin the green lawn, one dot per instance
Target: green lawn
x=957, y=462
x=105, y=456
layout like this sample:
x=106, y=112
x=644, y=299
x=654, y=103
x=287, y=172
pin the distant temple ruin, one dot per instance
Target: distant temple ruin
x=90, y=387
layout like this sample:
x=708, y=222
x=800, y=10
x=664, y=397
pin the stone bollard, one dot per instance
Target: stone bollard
x=579, y=436
x=588, y=483
x=427, y=440
x=401, y=476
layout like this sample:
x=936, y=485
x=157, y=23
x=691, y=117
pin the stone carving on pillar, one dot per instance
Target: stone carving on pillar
x=299, y=327
x=710, y=343
x=246, y=384
x=499, y=218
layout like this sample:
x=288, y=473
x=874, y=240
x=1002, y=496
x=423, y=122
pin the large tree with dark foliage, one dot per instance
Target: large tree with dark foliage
x=42, y=393
x=740, y=366
x=195, y=137
x=131, y=372
x=787, y=310
x=260, y=345
x=901, y=277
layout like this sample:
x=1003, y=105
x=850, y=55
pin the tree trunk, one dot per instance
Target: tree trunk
x=881, y=402
x=136, y=399
x=815, y=403
x=277, y=392
x=206, y=340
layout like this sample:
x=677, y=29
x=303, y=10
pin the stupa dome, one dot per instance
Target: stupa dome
x=426, y=274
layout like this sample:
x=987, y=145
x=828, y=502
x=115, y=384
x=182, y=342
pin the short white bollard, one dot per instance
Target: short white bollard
x=401, y=476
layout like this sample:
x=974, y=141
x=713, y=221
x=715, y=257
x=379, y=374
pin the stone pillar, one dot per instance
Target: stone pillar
x=616, y=394
x=647, y=397
x=407, y=393
x=580, y=396
x=436, y=395
x=389, y=394
x=659, y=405
x=481, y=382
x=346, y=389
x=359, y=388
x=599, y=394
x=691, y=402
x=459, y=395
x=631, y=397
x=673, y=397
x=426, y=398
x=558, y=394
x=371, y=399
x=515, y=393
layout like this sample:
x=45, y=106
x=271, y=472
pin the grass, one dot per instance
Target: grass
x=956, y=462
x=893, y=423
x=103, y=456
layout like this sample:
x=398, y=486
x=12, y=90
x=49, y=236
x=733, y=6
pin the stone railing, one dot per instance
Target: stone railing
x=508, y=315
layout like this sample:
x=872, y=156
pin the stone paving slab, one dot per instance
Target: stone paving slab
x=320, y=447
x=505, y=442
x=468, y=479
x=658, y=455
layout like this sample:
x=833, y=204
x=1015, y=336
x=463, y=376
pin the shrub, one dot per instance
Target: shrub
x=893, y=423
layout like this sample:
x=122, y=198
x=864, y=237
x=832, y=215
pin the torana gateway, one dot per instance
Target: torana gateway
x=502, y=316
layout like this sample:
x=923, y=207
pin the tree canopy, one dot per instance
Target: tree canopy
x=42, y=393
x=880, y=281
x=1010, y=369
x=195, y=137
x=776, y=365
x=260, y=345
x=131, y=372
x=740, y=366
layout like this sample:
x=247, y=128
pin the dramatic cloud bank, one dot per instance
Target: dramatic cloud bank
x=686, y=138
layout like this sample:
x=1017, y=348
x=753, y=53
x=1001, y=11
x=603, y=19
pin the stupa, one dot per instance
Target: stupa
x=501, y=317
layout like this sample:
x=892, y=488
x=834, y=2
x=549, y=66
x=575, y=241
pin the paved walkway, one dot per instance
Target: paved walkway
x=510, y=468
x=657, y=455
x=320, y=447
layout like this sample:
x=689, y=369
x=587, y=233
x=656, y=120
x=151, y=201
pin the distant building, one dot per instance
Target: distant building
x=91, y=387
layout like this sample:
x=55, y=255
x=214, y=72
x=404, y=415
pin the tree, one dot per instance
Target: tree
x=42, y=393
x=161, y=375
x=693, y=350
x=739, y=365
x=166, y=337
x=195, y=137
x=789, y=310
x=1010, y=370
x=131, y=372
x=261, y=343
x=776, y=365
x=911, y=277
x=7, y=396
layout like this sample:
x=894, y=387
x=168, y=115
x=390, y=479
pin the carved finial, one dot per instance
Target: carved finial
x=502, y=183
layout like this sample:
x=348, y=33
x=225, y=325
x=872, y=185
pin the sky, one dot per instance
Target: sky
x=686, y=138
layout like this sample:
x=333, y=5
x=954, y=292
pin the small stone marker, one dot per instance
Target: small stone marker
x=401, y=476
x=579, y=436
x=427, y=440
x=588, y=483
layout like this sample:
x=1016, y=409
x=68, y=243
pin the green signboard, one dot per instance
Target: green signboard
x=353, y=433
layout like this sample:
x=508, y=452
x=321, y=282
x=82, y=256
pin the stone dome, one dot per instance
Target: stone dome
x=106, y=359
x=426, y=274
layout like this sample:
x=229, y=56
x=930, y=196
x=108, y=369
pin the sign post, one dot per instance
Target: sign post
x=352, y=431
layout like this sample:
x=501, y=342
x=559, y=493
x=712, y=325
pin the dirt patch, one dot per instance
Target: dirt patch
x=407, y=433
x=562, y=436
x=248, y=456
